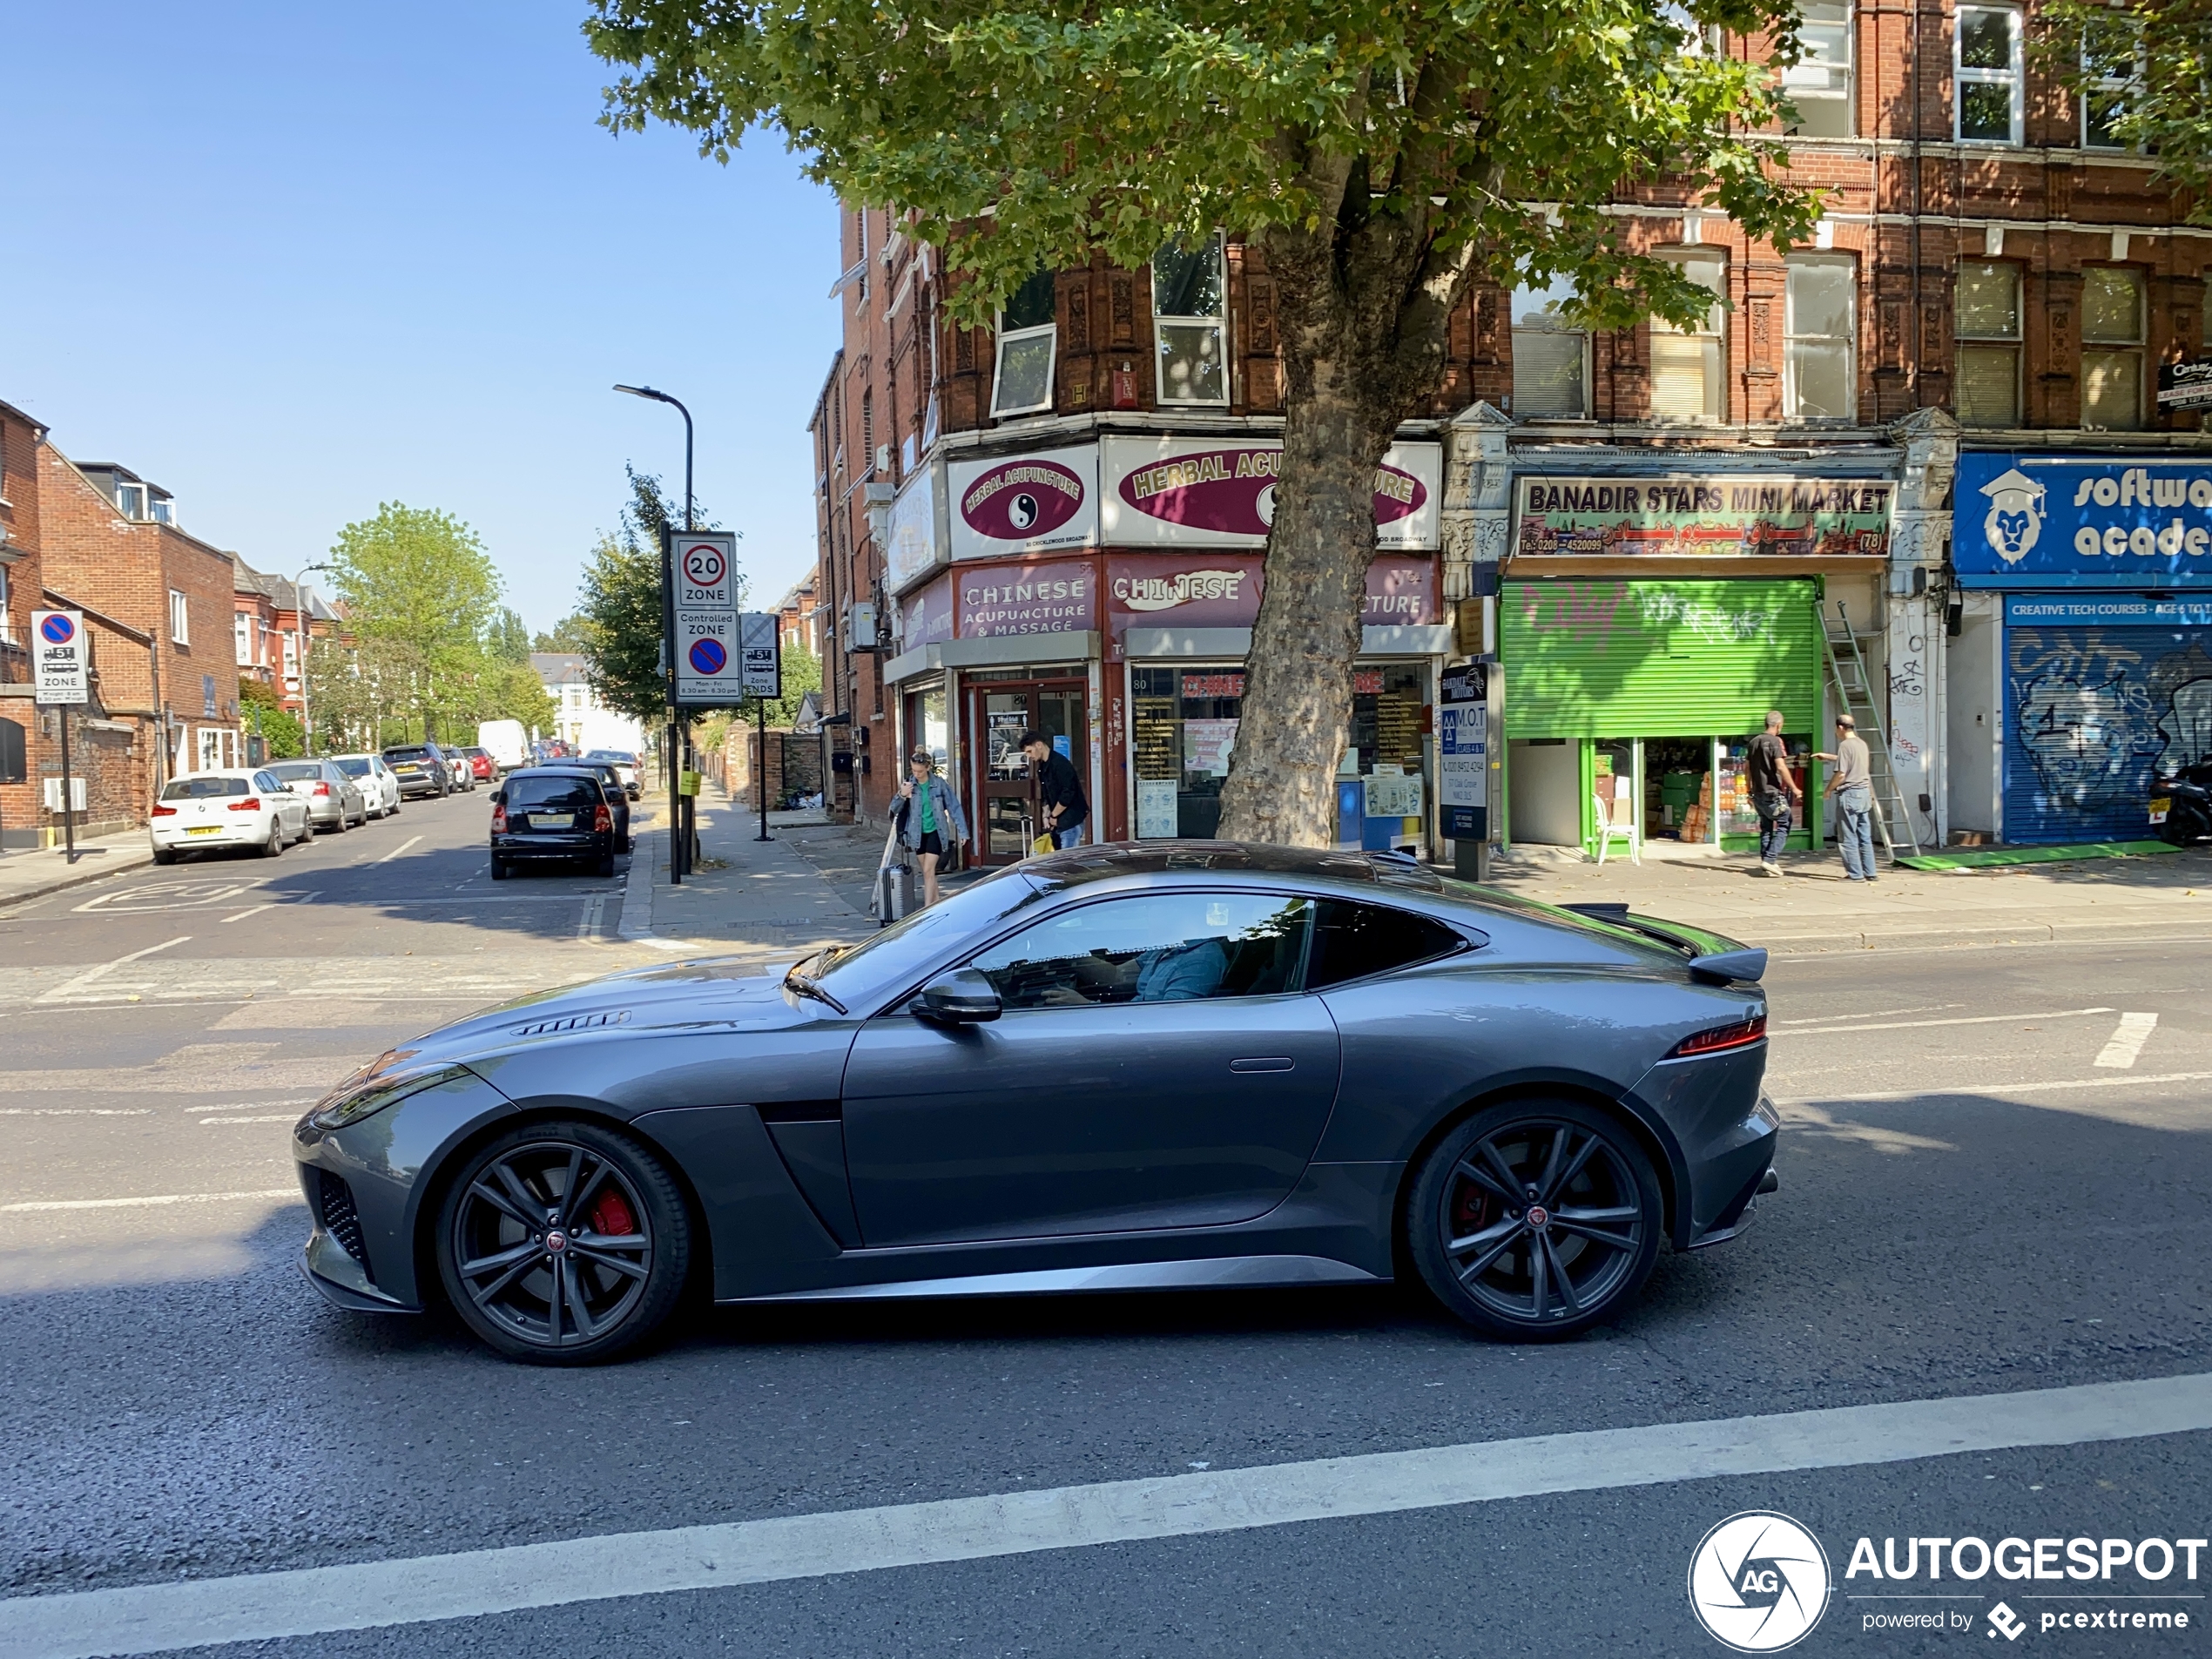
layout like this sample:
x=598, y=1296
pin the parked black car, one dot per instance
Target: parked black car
x=548, y=812
x=2181, y=804
x=421, y=768
x=1175, y=1064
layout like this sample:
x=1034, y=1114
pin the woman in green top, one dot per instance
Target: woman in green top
x=930, y=821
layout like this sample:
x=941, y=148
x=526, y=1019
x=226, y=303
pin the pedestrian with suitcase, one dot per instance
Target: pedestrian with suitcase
x=928, y=819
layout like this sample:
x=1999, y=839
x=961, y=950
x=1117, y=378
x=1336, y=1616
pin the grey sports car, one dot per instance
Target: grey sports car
x=1111, y=1067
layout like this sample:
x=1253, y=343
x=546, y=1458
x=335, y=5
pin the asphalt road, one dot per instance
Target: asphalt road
x=1973, y=1204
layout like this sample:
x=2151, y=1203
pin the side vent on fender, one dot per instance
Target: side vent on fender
x=572, y=1023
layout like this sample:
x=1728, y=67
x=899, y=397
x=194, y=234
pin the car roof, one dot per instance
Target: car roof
x=1075, y=866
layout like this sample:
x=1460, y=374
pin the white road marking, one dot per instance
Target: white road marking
x=595, y=908
x=93, y=975
x=1871, y=1014
x=76, y=1111
x=256, y=911
x=2029, y=1088
x=2127, y=1041
x=42, y=1205
x=265, y=1117
x=1917, y=1025
x=269, y=1607
x=397, y=851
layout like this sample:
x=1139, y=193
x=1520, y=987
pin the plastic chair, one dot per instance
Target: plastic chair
x=1608, y=832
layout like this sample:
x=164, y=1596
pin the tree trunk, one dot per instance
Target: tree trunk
x=1346, y=387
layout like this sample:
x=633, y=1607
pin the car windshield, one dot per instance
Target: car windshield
x=407, y=754
x=353, y=768
x=891, y=958
x=528, y=794
x=613, y=757
x=294, y=772
x=205, y=788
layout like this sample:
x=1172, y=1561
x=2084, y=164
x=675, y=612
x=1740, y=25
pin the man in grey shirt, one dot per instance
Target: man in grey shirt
x=1852, y=785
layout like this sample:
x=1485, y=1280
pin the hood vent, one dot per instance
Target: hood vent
x=572, y=1023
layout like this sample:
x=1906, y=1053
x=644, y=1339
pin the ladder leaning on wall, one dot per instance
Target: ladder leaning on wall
x=1854, y=694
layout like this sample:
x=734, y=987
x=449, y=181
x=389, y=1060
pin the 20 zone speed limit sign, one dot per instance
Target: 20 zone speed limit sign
x=704, y=562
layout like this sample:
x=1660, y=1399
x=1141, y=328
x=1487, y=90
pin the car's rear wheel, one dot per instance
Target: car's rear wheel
x=604, y=865
x=500, y=869
x=274, y=844
x=1535, y=1219
x=165, y=855
x=563, y=1244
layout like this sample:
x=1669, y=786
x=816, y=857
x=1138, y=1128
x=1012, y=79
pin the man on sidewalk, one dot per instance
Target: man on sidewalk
x=1060, y=791
x=1773, y=792
x=1852, y=785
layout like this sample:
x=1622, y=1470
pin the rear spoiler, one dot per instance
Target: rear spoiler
x=1713, y=958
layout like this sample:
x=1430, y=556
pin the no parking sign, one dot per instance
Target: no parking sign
x=64, y=672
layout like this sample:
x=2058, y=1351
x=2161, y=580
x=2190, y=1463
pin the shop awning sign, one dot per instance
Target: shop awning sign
x=1702, y=515
x=2029, y=520
x=1032, y=502
x=1185, y=492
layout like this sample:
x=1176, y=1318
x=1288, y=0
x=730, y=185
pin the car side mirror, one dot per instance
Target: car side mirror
x=962, y=997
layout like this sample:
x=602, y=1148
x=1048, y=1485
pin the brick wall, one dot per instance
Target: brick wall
x=20, y=813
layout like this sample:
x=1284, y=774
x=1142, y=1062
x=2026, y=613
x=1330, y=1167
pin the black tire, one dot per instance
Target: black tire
x=509, y=1282
x=604, y=867
x=500, y=869
x=165, y=855
x=1598, y=1229
x=307, y=830
x=340, y=826
x=274, y=846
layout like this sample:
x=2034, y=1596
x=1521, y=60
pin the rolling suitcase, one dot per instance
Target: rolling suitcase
x=894, y=883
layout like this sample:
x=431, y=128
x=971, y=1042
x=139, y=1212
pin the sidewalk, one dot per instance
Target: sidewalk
x=1814, y=908
x=30, y=872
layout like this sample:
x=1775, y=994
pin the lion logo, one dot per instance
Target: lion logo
x=2015, y=515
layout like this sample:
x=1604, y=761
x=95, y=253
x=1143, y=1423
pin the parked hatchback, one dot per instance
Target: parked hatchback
x=552, y=814
x=245, y=807
x=379, y=789
x=334, y=802
x=482, y=766
x=421, y=769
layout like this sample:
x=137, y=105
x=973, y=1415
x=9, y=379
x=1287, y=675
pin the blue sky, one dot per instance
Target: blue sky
x=291, y=261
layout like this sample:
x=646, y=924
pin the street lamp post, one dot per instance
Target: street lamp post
x=306, y=633
x=679, y=826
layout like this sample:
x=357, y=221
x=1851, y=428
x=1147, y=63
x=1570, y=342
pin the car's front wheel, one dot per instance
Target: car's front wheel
x=563, y=1243
x=1535, y=1219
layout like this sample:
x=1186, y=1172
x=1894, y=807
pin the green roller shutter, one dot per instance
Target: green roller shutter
x=1592, y=657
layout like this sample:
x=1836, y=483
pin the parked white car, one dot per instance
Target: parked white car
x=375, y=779
x=625, y=765
x=242, y=807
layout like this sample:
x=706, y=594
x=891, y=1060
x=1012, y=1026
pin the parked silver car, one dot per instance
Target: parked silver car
x=375, y=779
x=334, y=801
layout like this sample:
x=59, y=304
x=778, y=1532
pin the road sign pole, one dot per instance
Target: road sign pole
x=764, y=835
x=69, y=818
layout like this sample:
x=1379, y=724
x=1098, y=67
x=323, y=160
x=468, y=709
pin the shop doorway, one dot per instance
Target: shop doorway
x=1004, y=791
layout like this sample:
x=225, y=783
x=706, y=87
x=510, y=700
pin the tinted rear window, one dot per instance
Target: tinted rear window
x=293, y=772
x=407, y=754
x=1353, y=940
x=353, y=768
x=205, y=788
x=530, y=793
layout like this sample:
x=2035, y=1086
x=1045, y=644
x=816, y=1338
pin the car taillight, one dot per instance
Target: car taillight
x=322, y=789
x=164, y=812
x=499, y=820
x=604, y=819
x=1723, y=1037
x=250, y=804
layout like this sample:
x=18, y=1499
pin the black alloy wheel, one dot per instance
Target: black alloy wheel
x=563, y=1243
x=1536, y=1219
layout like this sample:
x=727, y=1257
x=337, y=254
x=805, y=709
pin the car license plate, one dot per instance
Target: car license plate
x=2160, y=807
x=205, y=829
x=551, y=820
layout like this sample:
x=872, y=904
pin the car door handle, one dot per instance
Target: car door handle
x=1264, y=1063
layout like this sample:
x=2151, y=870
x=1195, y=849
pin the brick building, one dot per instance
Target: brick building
x=21, y=810
x=111, y=545
x=1659, y=533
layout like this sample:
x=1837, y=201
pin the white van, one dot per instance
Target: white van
x=505, y=742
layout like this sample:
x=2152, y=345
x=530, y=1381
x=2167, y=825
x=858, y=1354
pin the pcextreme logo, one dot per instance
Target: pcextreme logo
x=1759, y=1581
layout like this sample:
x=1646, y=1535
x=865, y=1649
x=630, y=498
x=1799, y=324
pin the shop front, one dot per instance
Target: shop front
x=1104, y=595
x=2082, y=662
x=1647, y=624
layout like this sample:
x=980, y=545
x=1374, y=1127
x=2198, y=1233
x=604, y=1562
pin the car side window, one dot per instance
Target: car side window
x=1156, y=948
x=1353, y=940
x=267, y=782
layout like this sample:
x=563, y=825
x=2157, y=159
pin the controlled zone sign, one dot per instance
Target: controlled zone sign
x=62, y=671
x=703, y=647
x=706, y=659
x=762, y=670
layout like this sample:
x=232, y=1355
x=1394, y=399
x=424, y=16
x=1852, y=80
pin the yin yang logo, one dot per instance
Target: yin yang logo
x=1264, y=506
x=1022, y=511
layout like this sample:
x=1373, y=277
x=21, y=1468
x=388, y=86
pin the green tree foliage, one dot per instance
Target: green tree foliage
x=2142, y=67
x=418, y=592
x=262, y=713
x=619, y=613
x=1383, y=157
x=509, y=640
x=571, y=633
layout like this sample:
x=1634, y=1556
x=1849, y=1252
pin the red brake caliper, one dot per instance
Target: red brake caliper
x=612, y=1216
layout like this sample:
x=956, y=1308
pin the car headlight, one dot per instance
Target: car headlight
x=389, y=1080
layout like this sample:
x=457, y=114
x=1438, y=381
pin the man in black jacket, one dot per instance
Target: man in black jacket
x=1060, y=790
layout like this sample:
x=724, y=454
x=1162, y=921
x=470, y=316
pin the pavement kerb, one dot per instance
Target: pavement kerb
x=106, y=862
x=2040, y=932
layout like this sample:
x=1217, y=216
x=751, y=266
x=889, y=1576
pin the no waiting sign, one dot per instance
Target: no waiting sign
x=63, y=668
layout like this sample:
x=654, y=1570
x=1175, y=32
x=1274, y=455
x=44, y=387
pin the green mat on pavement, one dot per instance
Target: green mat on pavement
x=1976, y=858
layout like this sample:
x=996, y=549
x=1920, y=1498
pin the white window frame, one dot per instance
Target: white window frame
x=1716, y=330
x=1219, y=325
x=7, y=617
x=1848, y=68
x=1048, y=332
x=2129, y=85
x=2015, y=342
x=242, y=635
x=1790, y=398
x=130, y=501
x=2014, y=77
x=1589, y=364
x=2139, y=348
x=180, y=618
